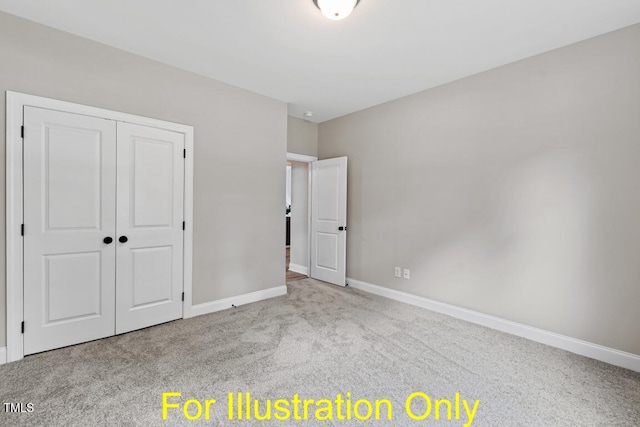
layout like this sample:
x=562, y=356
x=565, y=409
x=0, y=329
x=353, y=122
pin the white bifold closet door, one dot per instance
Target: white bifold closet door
x=103, y=212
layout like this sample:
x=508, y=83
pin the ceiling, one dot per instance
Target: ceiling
x=287, y=50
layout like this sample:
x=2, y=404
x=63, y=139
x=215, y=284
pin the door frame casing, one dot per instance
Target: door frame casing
x=15, y=103
x=303, y=158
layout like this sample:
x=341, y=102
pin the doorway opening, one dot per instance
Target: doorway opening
x=297, y=211
x=324, y=224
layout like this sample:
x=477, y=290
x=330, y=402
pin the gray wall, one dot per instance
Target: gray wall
x=302, y=137
x=513, y=192
x=300, y=213
x=239, y=170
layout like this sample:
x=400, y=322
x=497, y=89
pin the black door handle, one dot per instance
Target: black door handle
x=107, y=240
x=123, y=239
x=342, y=228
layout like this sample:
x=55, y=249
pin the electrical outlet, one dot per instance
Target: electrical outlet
x=407, y=273
x=398, y=272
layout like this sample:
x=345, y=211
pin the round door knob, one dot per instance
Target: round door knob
x=123, y=239
x=107, y=240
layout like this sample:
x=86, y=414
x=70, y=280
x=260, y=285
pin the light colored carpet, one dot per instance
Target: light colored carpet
x=319, y=341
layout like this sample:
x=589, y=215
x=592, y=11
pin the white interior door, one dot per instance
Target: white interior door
x=149, y=227
x=329, y=220
x=69, y=208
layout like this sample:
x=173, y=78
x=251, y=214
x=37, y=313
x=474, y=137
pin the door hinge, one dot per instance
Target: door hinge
x=22, y=229
x=184, y=153
x=22, y=132
x=183, y=296
x=22, y=328
x=183, y=225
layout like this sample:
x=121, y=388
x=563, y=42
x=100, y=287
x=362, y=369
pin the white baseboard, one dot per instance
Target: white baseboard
x=3, y=355
x=583, y=348
x=297, y=268
x=223, y=304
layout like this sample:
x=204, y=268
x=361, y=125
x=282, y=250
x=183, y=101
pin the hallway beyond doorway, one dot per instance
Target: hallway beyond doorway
x=292, y=276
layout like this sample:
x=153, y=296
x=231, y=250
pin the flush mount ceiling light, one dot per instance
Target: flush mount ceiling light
x=336, y=9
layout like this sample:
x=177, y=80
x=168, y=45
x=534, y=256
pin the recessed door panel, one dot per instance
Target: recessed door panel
x=151, y=276
x=70, y=152
x=69, y=208
x=150, y=215
x=327, y=184
x=152, y=186
x=73, y=287
x=327, y=251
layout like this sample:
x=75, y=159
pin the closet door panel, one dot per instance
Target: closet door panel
x=69, y=208
x=149, y=226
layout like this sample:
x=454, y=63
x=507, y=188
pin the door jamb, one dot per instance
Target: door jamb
x=303, y=158
x=15, y=103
